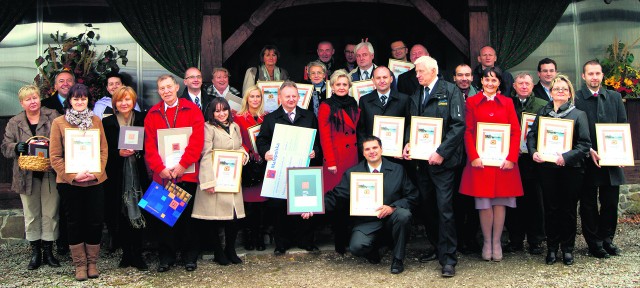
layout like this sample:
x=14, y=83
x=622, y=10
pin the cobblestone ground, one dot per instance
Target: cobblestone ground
x=328, y=269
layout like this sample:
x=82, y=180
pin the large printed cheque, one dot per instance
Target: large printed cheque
x=291, y=147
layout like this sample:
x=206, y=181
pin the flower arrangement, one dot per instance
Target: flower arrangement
x=78, y=55
x=619, y=73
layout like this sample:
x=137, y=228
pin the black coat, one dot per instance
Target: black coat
x=304, y=118
x=370, y=106
x=115, y=162
x=408, y=82
x=446, y=102
x=53, y=103
x=539, y=92
x=398, y=191
x=606, y=108
x=206, y=98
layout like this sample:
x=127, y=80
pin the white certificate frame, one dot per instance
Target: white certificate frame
x=270, y=94
x=615, y=146
x=366, y=193
x=361, y=88
x=425, y=136
x=525, y=127
x=492, y=142
x=384, y=128
x=305, y=91
x=167, y=141
x=549, y=132
x=82, y=150
x=398, y=67
x=227, y=165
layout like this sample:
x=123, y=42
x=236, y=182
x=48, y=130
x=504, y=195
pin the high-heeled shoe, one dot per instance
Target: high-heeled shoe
x=486, y=252
x=496, y=254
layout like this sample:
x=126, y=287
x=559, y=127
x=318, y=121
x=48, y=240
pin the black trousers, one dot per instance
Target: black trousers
x=599, y=226
x=180, y=237
x=465, y=215
x=84, y=210
x=289, y=230
x=560, y=188
x=527, y=219
x=436, y=191
x=397, y=225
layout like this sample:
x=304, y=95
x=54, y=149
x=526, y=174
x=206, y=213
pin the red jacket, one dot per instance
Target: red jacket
x=339, y=147
x=189, y=115
x=245, y=121
x=491, y=182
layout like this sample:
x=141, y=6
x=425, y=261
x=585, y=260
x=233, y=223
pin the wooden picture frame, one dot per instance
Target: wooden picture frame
x=555, y=136
x=227, y=168
x=361, y=88
x=615, y=147
x=525, y=127
x=492, y=142
x=425, y=136
x=82, y=151
x=390, y=130
x=366, y=193
x=270, y=94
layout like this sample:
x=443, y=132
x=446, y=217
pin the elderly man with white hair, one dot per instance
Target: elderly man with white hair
x=439, y=99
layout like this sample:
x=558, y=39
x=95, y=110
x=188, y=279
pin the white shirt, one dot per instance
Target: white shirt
x=193, y=97
x=375, y=168
x=166, y=106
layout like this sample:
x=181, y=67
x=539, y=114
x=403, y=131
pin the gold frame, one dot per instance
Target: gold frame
x=303, y=102
x=627, y=146
x=262, y=85
x=378, y=121
x=357, y=88
x=396, y=64
x=484, y=128
x=236, y=156
x=82, y=163
x=525, y=127
x=420, y=151
x=565, y=124
x=253, y=132
x=354, y=199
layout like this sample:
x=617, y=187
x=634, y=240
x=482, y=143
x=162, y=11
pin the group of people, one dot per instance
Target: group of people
x=537, y=200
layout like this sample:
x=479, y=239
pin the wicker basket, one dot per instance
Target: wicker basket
x=33, y=162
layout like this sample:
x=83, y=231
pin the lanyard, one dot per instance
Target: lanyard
x=175, y=117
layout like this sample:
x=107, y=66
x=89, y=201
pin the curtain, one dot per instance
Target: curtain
x=517, y=28
x=169, y=30
x=11, y=12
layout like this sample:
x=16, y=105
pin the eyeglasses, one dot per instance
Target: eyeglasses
x=558, y=89
x=316, y=73
x=194, y=77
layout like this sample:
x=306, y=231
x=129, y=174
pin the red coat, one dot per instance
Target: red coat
x=491, y=182
x=189, y=115
x=339, y=147
x=246, y=120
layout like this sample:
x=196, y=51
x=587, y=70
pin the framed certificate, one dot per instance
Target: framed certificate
x=614, y=144
x=390, y=130
x=235, y=102
x=305, y=191
x=131, y=137
x=305, y=91
x=171, y=145
x=426, y=135
x=227, y=167
x=328, y=89
x=82, y=150
x=555, y=136
x=366, y=193
x=361, y=88
x=398, y=67
x=527, y=121
x=270, y=94
x=492, y=143
x=253, y=134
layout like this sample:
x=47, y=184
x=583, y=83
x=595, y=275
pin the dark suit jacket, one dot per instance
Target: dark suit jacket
x=407, y=82
x=398, y=191
x=606, y=108
x=370, y=105
x=206, y=98
x=446, y=102
x=539, y=92
x=53, y=103
x=304, y=118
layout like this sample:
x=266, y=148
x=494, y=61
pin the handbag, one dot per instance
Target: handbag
x=165, y=202
x=253, y=173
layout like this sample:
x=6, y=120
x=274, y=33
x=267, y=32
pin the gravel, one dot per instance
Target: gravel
x=328, y=269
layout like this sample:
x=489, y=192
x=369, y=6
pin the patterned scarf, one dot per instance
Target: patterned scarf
x=563, y=110
x=81, y=119
x=265, y=73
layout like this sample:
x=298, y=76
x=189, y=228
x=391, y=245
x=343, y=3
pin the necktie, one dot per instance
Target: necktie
x=291, y=116
x=365, y=75
x=595, y=94
x=383, y=99
x=375, y=171
x=316, y=102
x=198, y=103
x=425, y=98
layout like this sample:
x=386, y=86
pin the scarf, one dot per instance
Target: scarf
x=132, y=191
x=265, y=73
x=81, y=119
x=337, y=104
x=567, y=107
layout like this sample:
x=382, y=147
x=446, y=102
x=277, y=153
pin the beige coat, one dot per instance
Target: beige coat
x=18, y=131
x=218, y=205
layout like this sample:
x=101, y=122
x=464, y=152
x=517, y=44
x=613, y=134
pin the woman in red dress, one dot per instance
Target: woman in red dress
x=337, y=120
x=494, y=188
x=252, y=113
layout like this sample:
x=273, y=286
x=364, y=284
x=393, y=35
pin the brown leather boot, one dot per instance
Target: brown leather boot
x=79, y=258
x=92, y=258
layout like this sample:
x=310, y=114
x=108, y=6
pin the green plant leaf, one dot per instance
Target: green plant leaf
x=122, y=53
x=124, y=61
x=39, y=61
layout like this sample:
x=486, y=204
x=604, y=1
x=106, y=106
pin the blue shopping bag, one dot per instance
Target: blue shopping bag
x=165, y=203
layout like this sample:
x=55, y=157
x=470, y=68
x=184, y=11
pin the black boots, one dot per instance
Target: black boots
x=47, y=254
x=36, y=255
x=230, y=235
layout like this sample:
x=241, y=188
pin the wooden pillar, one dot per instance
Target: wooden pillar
x=211, y=40
x=478, y=28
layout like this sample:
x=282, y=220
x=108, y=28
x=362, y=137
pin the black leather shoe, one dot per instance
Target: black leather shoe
x=514, y=247
x=535, y=249
x=374, y=257
x=551, y=257
x=448, y=271
x=191, y=266
x=611, y=249
x=311, y=249
x=427, y=257
x=279, y=251
x=163, y=267
x=567, y=258
x=397, y=266
x=599, y=252
x=36, y=255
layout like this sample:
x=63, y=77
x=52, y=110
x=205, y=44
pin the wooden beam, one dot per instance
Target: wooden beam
x=443, y=25
x=211, y=40
x=478, y=28
x=245, y=30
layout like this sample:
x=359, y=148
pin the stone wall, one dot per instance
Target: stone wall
x=629, y=199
